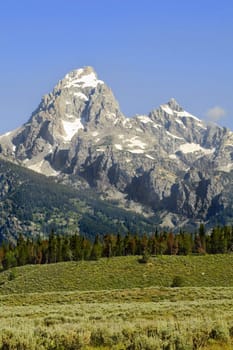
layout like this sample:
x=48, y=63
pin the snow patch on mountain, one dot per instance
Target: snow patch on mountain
x=119, y=147
x=167, y=109
x=226, y=168
x=144, y=119
x=127, y=123
x=150, y=157
x=180, y=123
x=194, y=147
x=81, y=96
x=173, y=156
x=71, y=128
x=81, y=78
x=136, y=142
x=8, y=135
x=136, y=151
x=156, y=126
x=95, y=133
x=174, y=136
x=186, y=115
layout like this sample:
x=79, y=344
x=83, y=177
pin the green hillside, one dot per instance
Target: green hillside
x=120, y=273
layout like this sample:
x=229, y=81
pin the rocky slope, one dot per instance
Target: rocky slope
x=168, y=162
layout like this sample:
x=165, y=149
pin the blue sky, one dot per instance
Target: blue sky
x=146, y=51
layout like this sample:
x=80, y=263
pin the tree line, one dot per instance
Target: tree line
x=58, y=248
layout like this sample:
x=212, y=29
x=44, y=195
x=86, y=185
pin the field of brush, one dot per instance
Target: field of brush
x=118, y=304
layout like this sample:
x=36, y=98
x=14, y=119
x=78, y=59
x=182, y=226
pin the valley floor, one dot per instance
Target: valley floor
x=150, y=318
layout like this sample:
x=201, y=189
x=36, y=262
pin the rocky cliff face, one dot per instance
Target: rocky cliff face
x=168, y=161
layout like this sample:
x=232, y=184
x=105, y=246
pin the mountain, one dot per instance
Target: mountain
x=168, y=163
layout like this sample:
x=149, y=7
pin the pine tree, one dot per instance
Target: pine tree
x=144, y=244
x=59, y=243
x=119, y=248
x=170, y=243
x=21, y=251
x=185, y=243
x=107, y=246
x=66, y=251
x=96, y=251
x=202, y=236
x=86, y=248
x=76, y=247
x=52, y=248
x=9, y=260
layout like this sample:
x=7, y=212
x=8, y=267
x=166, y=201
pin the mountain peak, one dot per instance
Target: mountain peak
x=82, y=78
x=174, y=105
x=173, y=108
x=79, y=72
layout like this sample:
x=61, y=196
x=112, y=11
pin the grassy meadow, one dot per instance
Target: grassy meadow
x=118, y=304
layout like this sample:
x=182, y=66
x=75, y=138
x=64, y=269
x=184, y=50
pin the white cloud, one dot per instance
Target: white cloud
x=216, y=113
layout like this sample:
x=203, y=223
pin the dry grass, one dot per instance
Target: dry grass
x=186, y=318
x=114, y=304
